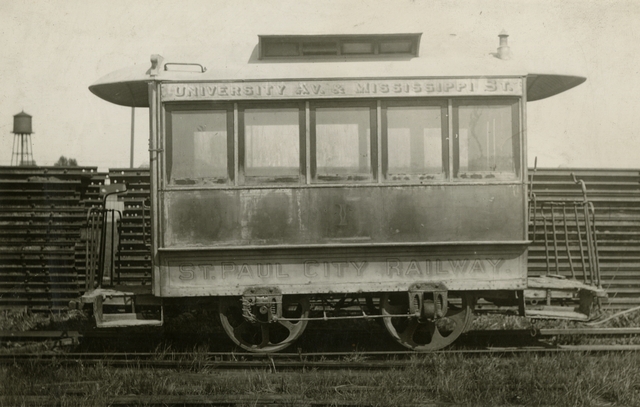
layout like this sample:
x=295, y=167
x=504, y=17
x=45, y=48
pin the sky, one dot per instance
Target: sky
x=52, y=50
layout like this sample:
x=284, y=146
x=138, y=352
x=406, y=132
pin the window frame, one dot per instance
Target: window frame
x=444, y=122
x=516, y=129
x=171, y=107
x=373, y=139
x=378, y=142
x=248, y=180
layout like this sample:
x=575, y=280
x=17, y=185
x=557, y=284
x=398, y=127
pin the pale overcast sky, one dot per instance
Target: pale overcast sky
x=51, y=51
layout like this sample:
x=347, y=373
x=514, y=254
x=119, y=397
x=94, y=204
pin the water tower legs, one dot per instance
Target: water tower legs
x=22, y=150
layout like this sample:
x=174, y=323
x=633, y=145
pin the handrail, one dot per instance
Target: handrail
x=97, y=237
x=582, y=185
x=202, y=68
x=558, y=229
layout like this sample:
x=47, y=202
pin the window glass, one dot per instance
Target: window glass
x=414, y=141
x=271, y=142
x=486, y=141
x=276, y=48
x=319, y=48
x=198, y=147
x=357, y=47
x=395, y=47
x=343, y=143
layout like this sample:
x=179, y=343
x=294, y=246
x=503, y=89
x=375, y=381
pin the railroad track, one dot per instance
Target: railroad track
x=24, y=336
x=289, y=361
x=209, y=367
x=214, y=400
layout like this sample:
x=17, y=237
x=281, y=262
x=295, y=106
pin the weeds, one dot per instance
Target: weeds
x=560, y=380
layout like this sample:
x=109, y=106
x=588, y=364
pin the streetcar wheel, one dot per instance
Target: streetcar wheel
x=429, y=335
x=264, y=336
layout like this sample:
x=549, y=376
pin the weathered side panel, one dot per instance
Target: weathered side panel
x=342, y=270
x=345, y=214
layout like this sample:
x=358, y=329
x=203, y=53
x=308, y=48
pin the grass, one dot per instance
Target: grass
x=20, y=319
x=559, y=380
x=532, y=380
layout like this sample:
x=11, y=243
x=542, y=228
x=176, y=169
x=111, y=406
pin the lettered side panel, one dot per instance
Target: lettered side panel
x=342, y=271
x=346, y=88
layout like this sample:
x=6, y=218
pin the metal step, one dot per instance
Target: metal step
x=126, y=304
x=557, y=297
x=126, y=320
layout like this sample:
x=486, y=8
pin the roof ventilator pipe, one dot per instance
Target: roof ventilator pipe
x=504, y=52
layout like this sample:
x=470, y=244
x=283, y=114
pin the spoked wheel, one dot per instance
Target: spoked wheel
x=428, y=335
x=264, y=336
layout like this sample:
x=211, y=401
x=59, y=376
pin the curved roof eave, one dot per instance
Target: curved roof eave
x=129, y=86
x=125, y=87
x=541, y=86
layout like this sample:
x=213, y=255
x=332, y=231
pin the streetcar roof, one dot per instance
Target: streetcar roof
x=129, y=86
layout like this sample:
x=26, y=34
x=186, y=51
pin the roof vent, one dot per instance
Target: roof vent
x=504, y=52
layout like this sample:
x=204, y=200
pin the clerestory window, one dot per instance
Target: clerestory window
x=339, y=46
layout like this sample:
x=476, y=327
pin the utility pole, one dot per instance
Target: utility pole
x=133, y=125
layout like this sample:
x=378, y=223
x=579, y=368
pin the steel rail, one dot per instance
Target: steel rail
x=589, y=331
x=230, y=400
x=17, y=336
x=540, y=332
x=341, y=360
x=35, y=335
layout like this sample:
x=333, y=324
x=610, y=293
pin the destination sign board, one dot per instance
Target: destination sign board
x=328, y=89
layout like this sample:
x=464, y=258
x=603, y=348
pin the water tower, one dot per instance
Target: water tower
x=22, y=151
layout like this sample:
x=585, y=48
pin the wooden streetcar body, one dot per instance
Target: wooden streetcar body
x=410, y=180
x=207, y=232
